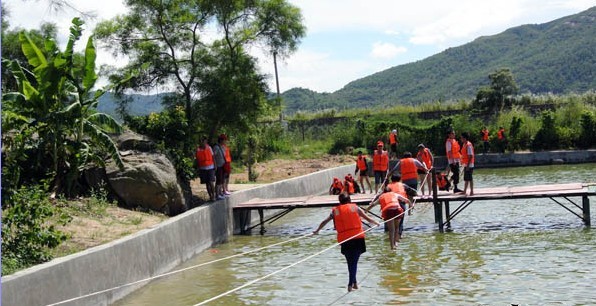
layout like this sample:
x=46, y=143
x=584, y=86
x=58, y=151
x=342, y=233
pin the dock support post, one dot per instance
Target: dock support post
x=586, y=210
x=447, y=215
x=261, y=218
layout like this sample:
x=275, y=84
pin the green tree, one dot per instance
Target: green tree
x=498, y=94
x=51, y=120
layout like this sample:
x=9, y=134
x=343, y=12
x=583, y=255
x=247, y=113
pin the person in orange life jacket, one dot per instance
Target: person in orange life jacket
x=362, y=166
x=393, y=142
x=228, y=164
x=206, y=164
x=426, y=157
x=442, y=182
x=220, y=160
x=392, y=212
x=350, y=181
x=467, y=159
x=408, y=168
x=347, y=220
x=380, y=164
x=398, y=187
x=349, y=185
x=453, y=158
x=485, y=139
x=502, y=139
x=336, y=187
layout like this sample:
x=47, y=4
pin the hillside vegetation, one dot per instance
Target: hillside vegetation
x=556, y=57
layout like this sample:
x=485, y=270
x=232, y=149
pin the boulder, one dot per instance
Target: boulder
x=149, y=181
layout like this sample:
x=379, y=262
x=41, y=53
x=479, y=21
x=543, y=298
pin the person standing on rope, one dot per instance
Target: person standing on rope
x=362, y=167
x=426, y=157
x=347, y=220
x=392, y=212
x=380, y=164
x=453, y=158
x=398, y=187
x=467, y=160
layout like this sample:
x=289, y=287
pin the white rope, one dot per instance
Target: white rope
x=178, y=271
x=295, y=263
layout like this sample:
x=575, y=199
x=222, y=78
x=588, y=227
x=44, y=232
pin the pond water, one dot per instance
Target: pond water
x=525, y=252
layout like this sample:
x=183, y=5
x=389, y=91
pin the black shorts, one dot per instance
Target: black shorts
x=207, y=175
x=468, y=174
x=356, y=244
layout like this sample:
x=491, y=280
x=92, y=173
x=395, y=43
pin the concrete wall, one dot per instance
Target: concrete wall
x=519, y=159
x=147, y=253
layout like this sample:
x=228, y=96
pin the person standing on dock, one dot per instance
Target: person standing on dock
x=347, y=218
x=393, y=142
x=362, y=167
x=380, y=164
x=426, y=157
x=453, y=158
x=408, y=168
x=467, y=160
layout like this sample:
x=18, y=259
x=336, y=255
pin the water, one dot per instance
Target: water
x=526, y=252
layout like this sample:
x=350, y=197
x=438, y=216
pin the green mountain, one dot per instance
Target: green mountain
x=555, y=57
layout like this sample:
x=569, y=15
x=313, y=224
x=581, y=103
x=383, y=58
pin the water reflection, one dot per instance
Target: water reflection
x=528, y=252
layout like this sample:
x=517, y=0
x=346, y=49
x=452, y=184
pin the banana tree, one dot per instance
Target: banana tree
x=56, y=105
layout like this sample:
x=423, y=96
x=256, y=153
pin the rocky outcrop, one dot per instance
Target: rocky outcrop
x=148, y=179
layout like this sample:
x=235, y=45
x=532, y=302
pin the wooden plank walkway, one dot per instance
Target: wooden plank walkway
x=440, y=199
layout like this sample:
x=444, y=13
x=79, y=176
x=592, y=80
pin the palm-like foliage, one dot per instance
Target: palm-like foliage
x=52, y=120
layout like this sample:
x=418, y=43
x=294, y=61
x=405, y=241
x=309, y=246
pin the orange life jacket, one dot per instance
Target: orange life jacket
x=337, y=184
x=361, y=163
x=347, y=222
x=500, y=134
x=408, y=169
x=227, y=155
x=387, y=200
x=484, y=135
x=441, y=180
x=454, y=148
x=380, y=161
x=398, y=188
x=349, y=187
x=392, y=138
x=465, y=158
x=424, y=157
x=204, y=156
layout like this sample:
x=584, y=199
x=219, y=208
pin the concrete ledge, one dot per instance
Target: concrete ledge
x=147, y=253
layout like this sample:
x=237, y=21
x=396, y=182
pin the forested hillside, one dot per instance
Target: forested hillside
x=557, y=57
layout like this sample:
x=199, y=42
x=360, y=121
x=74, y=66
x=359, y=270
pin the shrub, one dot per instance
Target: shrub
x=28, y=231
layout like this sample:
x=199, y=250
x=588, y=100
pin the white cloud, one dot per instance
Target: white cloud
x=386, y=50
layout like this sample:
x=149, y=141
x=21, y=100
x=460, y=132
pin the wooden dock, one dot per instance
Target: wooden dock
x=559, y=193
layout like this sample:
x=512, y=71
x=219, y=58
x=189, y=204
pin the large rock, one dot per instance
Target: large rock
x=148, y=180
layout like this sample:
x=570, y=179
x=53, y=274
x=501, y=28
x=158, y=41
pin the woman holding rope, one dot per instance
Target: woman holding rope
x=391, y=212
x=347, y=220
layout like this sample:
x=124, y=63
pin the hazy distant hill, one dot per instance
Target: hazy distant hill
x=558, y=57
x=140, y=105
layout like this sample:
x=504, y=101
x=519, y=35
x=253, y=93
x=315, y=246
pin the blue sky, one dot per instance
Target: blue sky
x=350, y=39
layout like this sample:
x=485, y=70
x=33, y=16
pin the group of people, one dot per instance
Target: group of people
x=396, y=196
x=214, y=166
x=501, y=140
